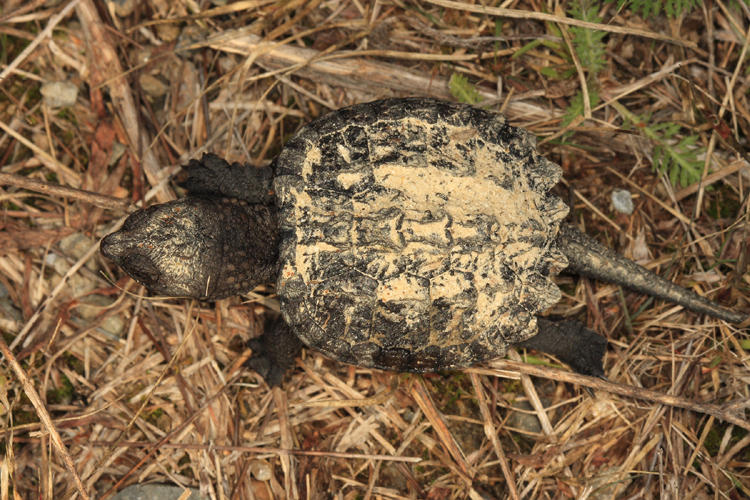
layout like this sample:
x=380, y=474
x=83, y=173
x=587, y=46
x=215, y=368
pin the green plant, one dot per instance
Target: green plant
x=589, y=48
x=674, y=154
x=588, y=44
x=462, y=90
x=652, y=8
x=575, y=108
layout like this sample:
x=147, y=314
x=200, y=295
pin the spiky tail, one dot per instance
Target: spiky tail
x=589, y=258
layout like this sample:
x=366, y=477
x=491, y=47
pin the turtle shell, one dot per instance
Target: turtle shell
x=417, y=235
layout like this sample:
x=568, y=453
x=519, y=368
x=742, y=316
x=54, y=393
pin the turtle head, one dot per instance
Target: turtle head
x=204, y=248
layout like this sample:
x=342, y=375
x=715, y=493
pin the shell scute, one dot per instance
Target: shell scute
x=417, y=234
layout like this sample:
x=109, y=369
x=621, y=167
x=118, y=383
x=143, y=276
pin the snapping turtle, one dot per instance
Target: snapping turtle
x=405, y=234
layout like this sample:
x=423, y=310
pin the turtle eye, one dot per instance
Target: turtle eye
x=133, y=220
x=142, y=269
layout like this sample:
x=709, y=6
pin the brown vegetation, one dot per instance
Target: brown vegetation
x=102, y=386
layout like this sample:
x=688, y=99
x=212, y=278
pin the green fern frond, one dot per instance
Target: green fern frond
x=590, y=48
x=588, y=44
x=462, y=90
x=676, y=157
x=652, y=8
x=575, y=108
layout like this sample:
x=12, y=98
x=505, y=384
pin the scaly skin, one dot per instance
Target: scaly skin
x=172, y=249
x=392, y=213
x=589, y=258
x=204, y=247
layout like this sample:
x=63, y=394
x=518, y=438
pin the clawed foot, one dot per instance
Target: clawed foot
x=213, y=176
x=274, y=352
x=572, y=343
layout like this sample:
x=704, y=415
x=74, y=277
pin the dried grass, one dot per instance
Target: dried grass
x=103, y=387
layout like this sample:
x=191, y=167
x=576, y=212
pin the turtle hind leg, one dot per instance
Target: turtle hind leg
x=572, y=343
x=274, y=352
x=213, y=176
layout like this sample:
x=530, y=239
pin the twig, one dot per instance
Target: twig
x=579, y=71
x=623, y=390
x=63, y=171
x=540, y=16
x=154, y=447
x=728, y=95
x=422, y=396
x=20, y=337
x=646, y=81
x=100, y=200
x=288, y=465
x=41, y=411
x=490, y=432
x=46, y=32
x=352, y=72
x=270, y=450
x=106, y=69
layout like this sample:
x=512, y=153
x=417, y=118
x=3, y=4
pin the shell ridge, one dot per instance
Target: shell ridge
x=439, y=217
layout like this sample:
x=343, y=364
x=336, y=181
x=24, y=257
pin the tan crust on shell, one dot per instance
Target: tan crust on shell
x=416, y=235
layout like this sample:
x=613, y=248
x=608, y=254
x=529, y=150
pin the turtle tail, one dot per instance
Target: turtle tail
x=589, y=258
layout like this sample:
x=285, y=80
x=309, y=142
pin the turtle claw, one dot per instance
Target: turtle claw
x=274, y=352
x=213, y=176
x=572, y=343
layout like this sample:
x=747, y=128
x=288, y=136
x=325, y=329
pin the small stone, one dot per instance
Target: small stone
x=92, y=305
x=189, y=85
x=168, y=32
x=40, y=140
x=123, y=8
x=75, y=246
x=189, y=35
x=113, y=326
x=143, y=56
x=524, y=420
x=157, y=492
x=152, y=85
x=260, y=470
x=72, y=248
x=161, y=7
x=118, y=149
x=8, y=311
x=7, y=324
x=227, y=64
x=59, y=94
x=622, y=201
x=608, y=483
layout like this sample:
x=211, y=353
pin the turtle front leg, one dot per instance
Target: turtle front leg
x=274, y=352
x=213, y=176
x=572, y=343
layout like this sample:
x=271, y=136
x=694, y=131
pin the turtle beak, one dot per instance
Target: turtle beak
x=113, y=247
x=121, y=249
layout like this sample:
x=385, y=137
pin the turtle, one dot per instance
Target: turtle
x=408, y=234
